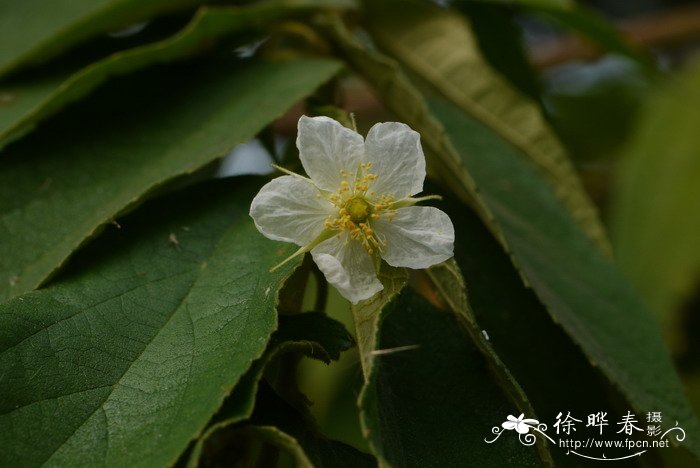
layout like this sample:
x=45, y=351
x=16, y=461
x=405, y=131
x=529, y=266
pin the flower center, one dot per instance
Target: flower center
x=358, y=206
x=358, y=209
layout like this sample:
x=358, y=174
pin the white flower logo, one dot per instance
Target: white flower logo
x=521, y=426
x=356, y=207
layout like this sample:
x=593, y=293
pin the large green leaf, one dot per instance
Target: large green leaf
x=439, y=46
x=582, y=290
x=58, y=188
x=32, y=31
x=430, y=399
x=530, y=344
x=36, y=98
x=124, y=359
x=655, y=219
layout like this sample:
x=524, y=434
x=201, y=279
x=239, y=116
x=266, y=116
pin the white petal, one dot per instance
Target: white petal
x=326, y=148
x=522, y=428
x=508, y=425
x=418, y=237
x=348, y=267
x=290, y=209
x=397, y=159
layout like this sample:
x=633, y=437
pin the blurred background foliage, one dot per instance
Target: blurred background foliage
x=617, y=81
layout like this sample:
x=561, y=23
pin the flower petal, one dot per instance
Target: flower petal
x=418, y=237
x=508, y=425
x=397, y=159
x=348, y=267
x=326, y=148
x=522, y=428
x=290, y=209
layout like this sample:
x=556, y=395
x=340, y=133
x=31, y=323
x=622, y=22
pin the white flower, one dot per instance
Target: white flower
x=356, y=207
x=522, y=426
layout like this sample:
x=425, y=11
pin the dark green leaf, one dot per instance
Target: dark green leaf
x=124, y=360
x=582, y=290
x=316, y=328
x=315, y=335
x=430, y=399
x=32, y=31
x=60, y=187
x=30, y=101
x=276, y=422
x=531, y=345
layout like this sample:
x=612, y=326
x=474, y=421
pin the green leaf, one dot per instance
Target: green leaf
x=315, y=335
x=654, y=221
x=525, y=338
x=33, y=100
x=278, y=423
x=327, y=336
x=430, y=399
x=33, y=31
x=60, y=187
x=582, y=290
x=125, y=358
x=247, y=439
x=418, y=38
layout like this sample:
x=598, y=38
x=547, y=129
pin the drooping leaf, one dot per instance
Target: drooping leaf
x=60, y=187
x=32, y=31
x=449, y=286
x=581, y=289
x=31, y=100
x=249, y=445
x=126, y=357
x=327, y=336
x=313, y=334
x=430, y=399
x=439, y=46
x=655, y=221
x=280, y=424
x=530, y=344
